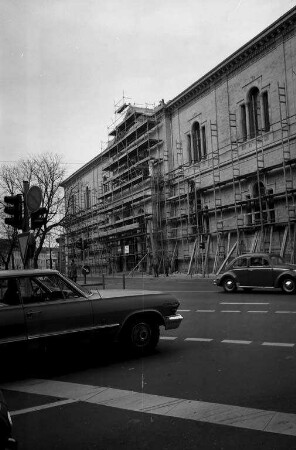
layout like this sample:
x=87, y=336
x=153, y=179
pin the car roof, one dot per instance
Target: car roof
x=257, y=254
x=26, y=272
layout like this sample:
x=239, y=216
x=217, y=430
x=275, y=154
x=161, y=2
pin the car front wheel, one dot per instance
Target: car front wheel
x=142, y=335
x=288, y=285
x=229, y=285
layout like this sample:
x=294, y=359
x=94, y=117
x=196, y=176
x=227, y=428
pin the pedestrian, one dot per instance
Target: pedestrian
x=73, y=271
x=166, y=266
x=155, y=266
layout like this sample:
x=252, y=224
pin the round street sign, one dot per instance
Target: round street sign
x=34, y=198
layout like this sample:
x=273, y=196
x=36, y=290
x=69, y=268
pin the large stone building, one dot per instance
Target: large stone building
x=205, y=175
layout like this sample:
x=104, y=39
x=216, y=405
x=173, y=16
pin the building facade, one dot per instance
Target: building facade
x=206, y=176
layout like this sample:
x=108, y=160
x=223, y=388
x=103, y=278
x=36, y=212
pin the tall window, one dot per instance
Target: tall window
x=265, y=111
x=189, y=148
x=196, y=142
x=204, y=141
x=73, y=204
x=243, y=122
x=254, y=111
x=87, y=198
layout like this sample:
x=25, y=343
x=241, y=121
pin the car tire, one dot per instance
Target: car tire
x=229, y=285
x=288, y=285
x=142, y=335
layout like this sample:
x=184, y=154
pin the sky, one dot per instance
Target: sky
x=64, y=64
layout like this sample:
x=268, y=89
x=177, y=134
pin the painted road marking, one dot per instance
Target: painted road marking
x=206, y=310
x=258, y=311
x=278, y=344
x=198, y=339
x=230, y=311
x=232, y=341
x=215, y=413
x=184, y=310
x=285, y=312
x=243, y=303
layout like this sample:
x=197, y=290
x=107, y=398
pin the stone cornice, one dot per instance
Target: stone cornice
x=250, y=51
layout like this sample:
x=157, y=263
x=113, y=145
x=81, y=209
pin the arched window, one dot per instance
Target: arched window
x=254, y=111
x=189, y=148
x=196, y=142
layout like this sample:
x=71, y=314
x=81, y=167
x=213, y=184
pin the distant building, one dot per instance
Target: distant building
x=48, y=257
x=208, y=174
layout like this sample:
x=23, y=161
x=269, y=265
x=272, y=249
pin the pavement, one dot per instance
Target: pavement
x=126, y=278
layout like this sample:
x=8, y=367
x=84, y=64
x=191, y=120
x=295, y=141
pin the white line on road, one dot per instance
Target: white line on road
x=184, y=310
x=243, y=303
x=215, y=413
x=231, y=341
x=205, y=310
x=278, y=344
x=285, y=312
x=230, y=311
x=257, y=311
x=168, y=338
x=198, y=339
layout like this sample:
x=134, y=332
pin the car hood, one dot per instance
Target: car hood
x=111, y=293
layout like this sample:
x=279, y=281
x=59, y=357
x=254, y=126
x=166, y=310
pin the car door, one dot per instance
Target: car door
x=12, y=319
x=54, y=307
x=260, y=272
x=240, y=269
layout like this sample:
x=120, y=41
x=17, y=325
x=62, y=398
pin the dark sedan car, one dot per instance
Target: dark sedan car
x=39, y=305
x=258, y=270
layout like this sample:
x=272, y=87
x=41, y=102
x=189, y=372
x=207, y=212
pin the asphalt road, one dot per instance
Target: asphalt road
x=224, y=380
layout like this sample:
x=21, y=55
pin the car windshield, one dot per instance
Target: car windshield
x=277, y=260
x=82, y=288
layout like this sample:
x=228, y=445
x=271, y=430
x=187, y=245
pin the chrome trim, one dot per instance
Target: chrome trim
x=171, y=322
x=81, y=330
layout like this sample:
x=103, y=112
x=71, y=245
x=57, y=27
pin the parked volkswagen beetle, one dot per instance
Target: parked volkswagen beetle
x=258, y=270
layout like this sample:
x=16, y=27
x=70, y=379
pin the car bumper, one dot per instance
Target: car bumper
x=171, y=322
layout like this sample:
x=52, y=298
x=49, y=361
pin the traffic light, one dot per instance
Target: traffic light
x=15, y=211
x=38, y=218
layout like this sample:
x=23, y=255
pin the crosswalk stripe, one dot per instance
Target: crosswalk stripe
x=215, y=413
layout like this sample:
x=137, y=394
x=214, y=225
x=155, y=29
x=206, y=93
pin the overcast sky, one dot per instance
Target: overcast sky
x=65, y=63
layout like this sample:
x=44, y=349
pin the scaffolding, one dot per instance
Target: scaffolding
x=145, y=206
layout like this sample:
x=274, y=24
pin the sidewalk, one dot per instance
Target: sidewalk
x=120, y=280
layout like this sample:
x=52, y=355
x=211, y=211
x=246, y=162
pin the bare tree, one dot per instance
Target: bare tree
x=47, y=172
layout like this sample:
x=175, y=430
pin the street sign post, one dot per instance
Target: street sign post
x=23, y=239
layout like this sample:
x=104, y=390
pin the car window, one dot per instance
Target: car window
x=31, y=292
x=240, y=263
x=45, y=288
x=56, y=287
x=258, y=261
x=277, y=260
x=9, y=292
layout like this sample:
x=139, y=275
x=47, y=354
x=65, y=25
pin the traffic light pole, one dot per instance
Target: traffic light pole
x=26, y=226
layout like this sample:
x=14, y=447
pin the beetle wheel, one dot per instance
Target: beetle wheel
x=288, y=285
x=229, y=285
